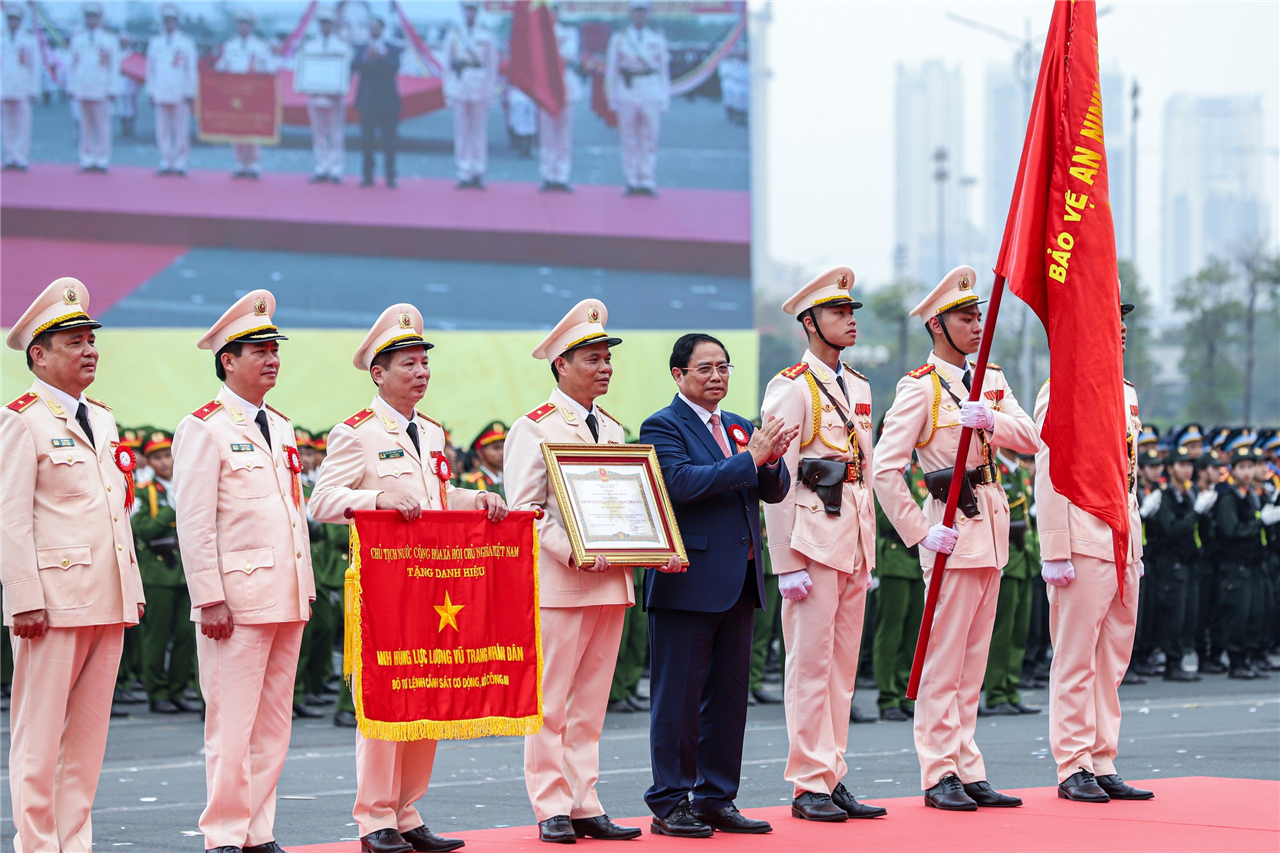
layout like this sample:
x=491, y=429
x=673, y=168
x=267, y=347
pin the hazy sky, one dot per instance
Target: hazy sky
x=831, y=133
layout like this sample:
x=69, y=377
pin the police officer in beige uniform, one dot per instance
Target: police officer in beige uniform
x=242, y=529
x=19, y=87
x=95, y=65
x=71, y=583
x=171, y=82
x=388, y=456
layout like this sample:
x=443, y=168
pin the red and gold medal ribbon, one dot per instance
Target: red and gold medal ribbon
x=126, y=462
x=441, y=465
x=294, y=461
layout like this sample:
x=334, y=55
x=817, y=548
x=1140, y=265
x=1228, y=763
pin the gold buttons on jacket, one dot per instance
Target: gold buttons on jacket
x=119, y=547
x=299, y=555
x=65, y=562
x=248, y=567
x=108, y=488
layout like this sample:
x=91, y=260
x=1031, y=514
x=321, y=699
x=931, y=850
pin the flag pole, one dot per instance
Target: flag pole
x=953, y=496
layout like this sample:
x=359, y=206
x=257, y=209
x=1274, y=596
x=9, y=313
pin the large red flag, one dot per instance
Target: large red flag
x=1059, y=256
x=535, y=67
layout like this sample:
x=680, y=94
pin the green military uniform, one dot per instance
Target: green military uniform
x=1013, y=608
x=130, y=671
x=482, y=480
x=900, y=605
x=486, y=479
x=329, y=557
x=768, y=626
x=633, y=650
x=166, y=629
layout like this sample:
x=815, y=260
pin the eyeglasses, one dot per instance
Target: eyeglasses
x=704, y=371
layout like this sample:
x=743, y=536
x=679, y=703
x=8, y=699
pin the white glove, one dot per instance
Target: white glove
x=794, y=586
x=873, y=583
x=1205, y=501
x=940, y=539
x=1058, y=572
x=1142, y=569
x=1151, y=503
x=1270, y=514
x=974, y=414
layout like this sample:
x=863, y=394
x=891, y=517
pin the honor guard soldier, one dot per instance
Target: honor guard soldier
x=389, y=456
x=927, y=415
x=472, y=55
x=242, y=530
x=19, y=87
x=822, y=544
x=1176, y=527
x=328, y=113
x=581, y=606
x=245, y=53
x=1092, y=618
x=95, y=65
x=899, y=606
x=70, y=577
x=486, y=453
x=555, y=133
x=638, y=85
x=167, y=631
x=171, y=82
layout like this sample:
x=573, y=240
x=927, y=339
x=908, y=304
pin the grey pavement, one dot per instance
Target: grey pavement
x=336, y=291
x=152, y=786
x=697, y=147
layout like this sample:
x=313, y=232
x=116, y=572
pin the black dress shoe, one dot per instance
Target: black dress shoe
x=620, y=706
x=316, y=700
x=269, y=847
x=638, y=704
x=1241, y=672
x=366, y=182
x=1209, y=666
x=984, y=711
x=984, y=795
x=603, y=828
x=1025, y=709
x=819, y=807
x=681, y=823
x=426, y=841
x=224, y=849
x=842, y=798
x=164, y=706
x=766, y=698
x=118, y=711
x=1082, y=787
x=949, y=795
x=1004, y=709
x=729, y=819
x=127, y=697
x=384, y=841
x=895, y=715
x=186, y=706
x=301, y=710
x=318, y=179
x=1132, y=678
x=558, y=829
x=856, y=716
x=1180, y=674
x=1118, y=789
x=345, y=719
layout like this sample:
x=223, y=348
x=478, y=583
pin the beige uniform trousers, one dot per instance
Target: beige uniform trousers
x=822, y=634
x=638, y=125
x=247, y=682
x=58, y=716
x=391, y=777
x=471, y=138
x=562, y=762
x=328, y=137
x=95, y=133
x=555, y=144
x=173, y=134
x=1092, y=634
x=946, y=711
x=16, y=130
x=248, y=156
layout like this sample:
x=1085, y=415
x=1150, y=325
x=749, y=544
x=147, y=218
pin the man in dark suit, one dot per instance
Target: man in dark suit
x=378, y=100
x=717, y=468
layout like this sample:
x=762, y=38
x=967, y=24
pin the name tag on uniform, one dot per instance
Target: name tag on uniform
x=242, y=448
x=390, y=454
x=64, y=442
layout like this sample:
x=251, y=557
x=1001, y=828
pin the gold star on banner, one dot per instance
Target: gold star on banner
x=448, y=613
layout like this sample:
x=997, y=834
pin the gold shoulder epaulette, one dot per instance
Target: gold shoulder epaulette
x=601, y=410
x=1130, y=384
x=97, y=402
x=795, y=370
x=429, y=420
x=24, y=401
x=473, y=476
x=277, y=411
x=922, y=370
x=207, y=409
x=854, y=372
x=359, y=418
x=991, y=366
x=541, y=412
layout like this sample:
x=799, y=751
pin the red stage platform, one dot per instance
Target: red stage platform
x=683, y=230
x=1193, y=814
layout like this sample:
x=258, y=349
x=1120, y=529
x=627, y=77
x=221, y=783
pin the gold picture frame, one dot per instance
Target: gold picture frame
x=614, y=503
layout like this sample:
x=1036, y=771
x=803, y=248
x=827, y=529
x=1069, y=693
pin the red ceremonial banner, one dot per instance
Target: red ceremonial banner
x=443, y=637
x=244, y=108
x=1059, y=255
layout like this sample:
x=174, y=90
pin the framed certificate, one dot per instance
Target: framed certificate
x=322, y=74
x=614, y=503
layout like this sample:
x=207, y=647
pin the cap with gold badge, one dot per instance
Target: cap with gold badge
x=582, y=326
x=156, y=441
x=399, y=327
x=829, y=288
x=247, y=321
x=496, y=431
x=955, y=291
x=62, y=305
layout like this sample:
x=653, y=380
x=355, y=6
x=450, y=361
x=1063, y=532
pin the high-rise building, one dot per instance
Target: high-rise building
x=929, y=140
x=1215, y=197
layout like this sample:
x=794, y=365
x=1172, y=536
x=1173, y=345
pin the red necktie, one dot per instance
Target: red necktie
x=719, y=434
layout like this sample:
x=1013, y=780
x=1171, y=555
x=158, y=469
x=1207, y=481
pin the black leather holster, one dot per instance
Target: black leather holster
x=939, y=485
x=827, y=478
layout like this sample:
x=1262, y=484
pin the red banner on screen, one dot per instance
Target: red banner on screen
x=443, y=627
x=244, y=108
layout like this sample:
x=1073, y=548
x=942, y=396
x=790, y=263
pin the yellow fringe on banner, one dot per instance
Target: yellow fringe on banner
x=353, y=666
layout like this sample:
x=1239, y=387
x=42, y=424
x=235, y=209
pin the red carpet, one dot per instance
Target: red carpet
x=683, y=230
x=111, y=270
x=1193, y=814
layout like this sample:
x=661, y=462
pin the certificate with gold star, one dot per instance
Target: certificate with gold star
x=614, y=502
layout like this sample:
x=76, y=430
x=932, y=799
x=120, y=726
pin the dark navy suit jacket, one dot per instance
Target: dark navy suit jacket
x=717, y=505
x=378, y=96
